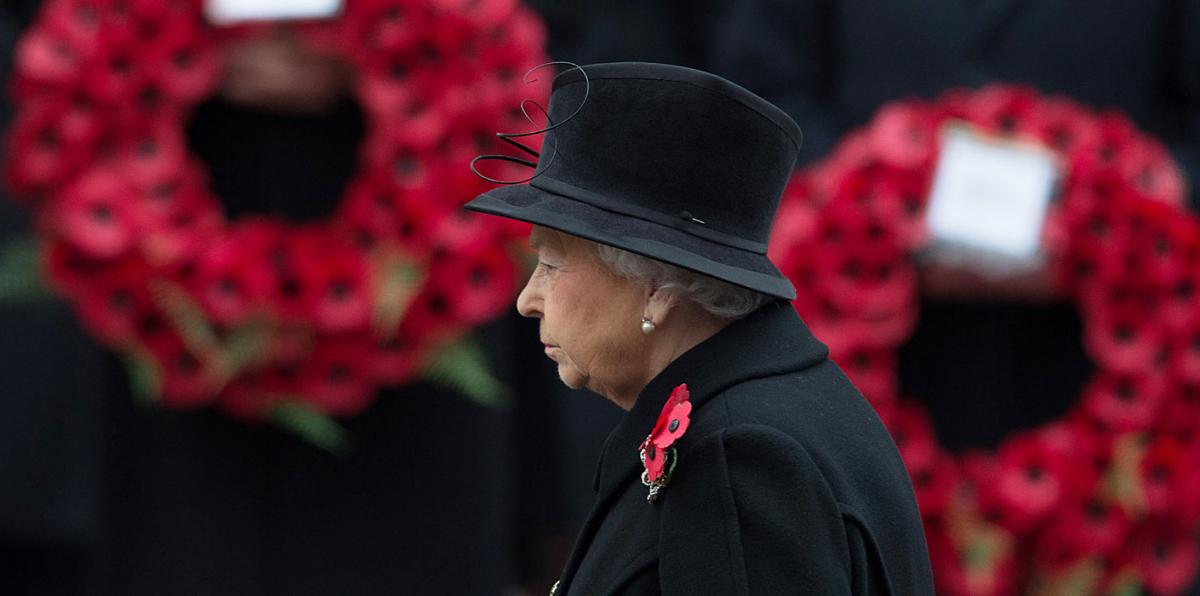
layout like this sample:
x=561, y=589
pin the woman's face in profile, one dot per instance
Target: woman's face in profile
x=590, y=318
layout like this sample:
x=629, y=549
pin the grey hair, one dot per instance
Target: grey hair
x=719, y=298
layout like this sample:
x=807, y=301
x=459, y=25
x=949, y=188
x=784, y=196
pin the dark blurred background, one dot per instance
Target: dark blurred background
x=101, y=496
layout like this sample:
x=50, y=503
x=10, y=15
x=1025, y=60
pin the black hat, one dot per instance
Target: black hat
x=668, y=162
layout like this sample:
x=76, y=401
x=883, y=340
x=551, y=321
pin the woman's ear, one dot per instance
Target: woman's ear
x=659, y=304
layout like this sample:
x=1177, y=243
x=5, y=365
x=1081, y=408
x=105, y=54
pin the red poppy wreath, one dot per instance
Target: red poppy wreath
x=258, y=315
x=1104, y=500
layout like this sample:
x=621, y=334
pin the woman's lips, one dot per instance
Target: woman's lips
x=549, y=347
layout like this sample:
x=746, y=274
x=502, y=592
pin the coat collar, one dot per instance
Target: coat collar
x=769, y=342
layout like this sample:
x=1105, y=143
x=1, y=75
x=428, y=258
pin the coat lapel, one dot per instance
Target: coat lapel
x=770, y=342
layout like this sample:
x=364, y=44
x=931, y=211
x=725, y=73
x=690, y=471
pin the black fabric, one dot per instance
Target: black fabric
x=832, y=63
x=702, y=156
x=787, y=482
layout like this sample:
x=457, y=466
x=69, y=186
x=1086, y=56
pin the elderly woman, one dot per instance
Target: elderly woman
x=746, y=463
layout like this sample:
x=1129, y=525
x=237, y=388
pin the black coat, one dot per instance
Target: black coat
x=787, y=482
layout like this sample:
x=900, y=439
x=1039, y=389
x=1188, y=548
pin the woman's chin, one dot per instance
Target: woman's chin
x=571, y=377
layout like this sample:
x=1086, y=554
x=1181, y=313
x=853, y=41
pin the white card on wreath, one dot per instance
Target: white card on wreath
x=989, y=196
x=224, y=12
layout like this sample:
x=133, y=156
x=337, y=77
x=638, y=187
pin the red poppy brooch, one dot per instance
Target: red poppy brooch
x=657, y=452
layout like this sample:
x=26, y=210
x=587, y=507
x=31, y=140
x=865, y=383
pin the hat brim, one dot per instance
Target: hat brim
x=664, y=243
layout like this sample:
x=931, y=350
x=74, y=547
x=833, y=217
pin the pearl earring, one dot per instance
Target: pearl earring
x=647, y=326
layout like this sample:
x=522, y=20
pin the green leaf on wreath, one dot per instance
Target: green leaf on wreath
x=1083, y=578
x=186, y=317
x=463, y=367
x=144, y=378
x=1123, y=482
x=20, y=272
x=245, y=347
x=399, y=280
x=1127, y=586
x=310, y=424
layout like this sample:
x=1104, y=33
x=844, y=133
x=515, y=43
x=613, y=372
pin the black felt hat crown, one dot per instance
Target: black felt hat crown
x=668, y=162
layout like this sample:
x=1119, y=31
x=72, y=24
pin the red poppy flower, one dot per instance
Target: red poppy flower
x=1163, y=240
x=1117, y=134
x=1179, y=297
x=874, y=283
x=480, y=14
x=117, y=71
x=843, y=331
x=248, y=397
x=1180, y=414
x=230, y=280
x=1064, y=126
x=183, y=64
x=873, y=372
x=904, y=134
x=115, y=300
x=48, y=56
x=1125, y=402
x=936, y=484
x=413, y=121
x=1099, y=239
x=1083, y=528
x=1004, y=110
x=96, y=214
x=672, y=422
x=900, y=199
x=430, y=315
x=1168, y=557
x=323, y=279
x=40, y=155
x=251, y=395
x=185, y=380
x=180, y=218
x=1162, y=468
x=912, y=430
x=1123, y=338
x=480, y=283
x=152, y=152
x=1030, y=481
x=335, y=378
x=77, y=21
x=1189, y=483
x=1072, y=440
x=525, y=30
x=386, y=28
x=66, y=267
x=369, y=211
x=395, y=361
x=1149, y=167
x=80, y=124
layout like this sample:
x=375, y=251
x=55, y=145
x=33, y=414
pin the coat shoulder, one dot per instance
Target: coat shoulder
x=811, y=433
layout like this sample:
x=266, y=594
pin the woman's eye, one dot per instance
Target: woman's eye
x=546, y=266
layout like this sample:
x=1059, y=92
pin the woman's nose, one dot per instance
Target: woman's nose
x=528, y=302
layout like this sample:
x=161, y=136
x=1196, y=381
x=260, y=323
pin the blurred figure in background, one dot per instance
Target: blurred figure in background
x=99, y=495
x=49, y=481
x=832, y=63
